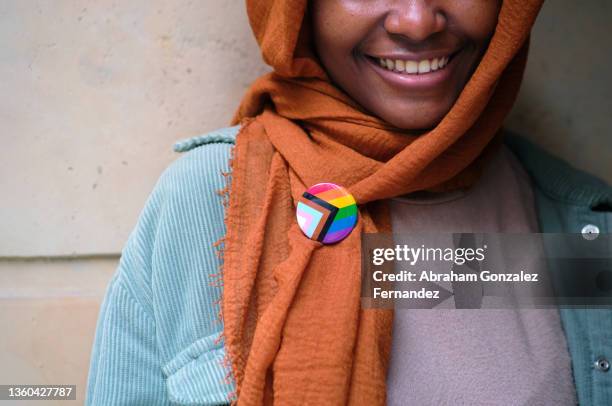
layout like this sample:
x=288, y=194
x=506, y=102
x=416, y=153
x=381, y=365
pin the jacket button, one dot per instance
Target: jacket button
x=602, y=364
x=590, y=232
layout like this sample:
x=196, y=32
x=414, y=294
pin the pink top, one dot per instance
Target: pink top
x=481, y=356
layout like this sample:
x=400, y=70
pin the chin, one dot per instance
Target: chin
x=414, y=122
x=418, y=116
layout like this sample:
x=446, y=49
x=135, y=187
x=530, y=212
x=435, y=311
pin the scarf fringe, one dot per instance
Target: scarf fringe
x=216, y=280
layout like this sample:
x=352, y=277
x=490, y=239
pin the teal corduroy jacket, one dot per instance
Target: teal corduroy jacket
x=156, y=341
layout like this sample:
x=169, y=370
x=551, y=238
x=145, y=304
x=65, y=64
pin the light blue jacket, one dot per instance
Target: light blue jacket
x=156, y=338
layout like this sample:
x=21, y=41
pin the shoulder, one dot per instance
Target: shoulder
x=226, y=135
x=199, y=173
x=186, y=204
x=170, y=260
x=557, y=179
x=207, y=155
x=191, y=185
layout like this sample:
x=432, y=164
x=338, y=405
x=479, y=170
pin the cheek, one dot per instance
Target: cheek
x=475, y=18
x=339, y=26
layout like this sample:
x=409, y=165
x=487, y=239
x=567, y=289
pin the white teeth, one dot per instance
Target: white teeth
x=399, y=65
x=434, y=64
x=424, y=66
x=413, y=67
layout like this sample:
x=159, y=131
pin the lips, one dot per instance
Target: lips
x=414, y=72
x=414, y=64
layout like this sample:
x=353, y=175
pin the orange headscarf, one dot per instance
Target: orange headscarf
x=294, y=329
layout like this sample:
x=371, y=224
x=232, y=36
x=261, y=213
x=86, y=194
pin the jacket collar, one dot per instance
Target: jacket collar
x=558, y=179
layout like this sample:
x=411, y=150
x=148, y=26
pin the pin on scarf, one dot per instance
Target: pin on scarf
x=327, y=213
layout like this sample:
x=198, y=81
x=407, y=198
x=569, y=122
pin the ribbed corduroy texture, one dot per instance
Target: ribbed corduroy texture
x=158, y=331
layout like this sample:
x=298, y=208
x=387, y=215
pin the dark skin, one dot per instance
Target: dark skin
x=405, y=61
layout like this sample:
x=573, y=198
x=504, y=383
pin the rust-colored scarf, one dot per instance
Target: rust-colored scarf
x=294, y=329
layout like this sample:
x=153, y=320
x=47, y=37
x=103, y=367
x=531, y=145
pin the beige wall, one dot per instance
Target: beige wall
x=96, y=93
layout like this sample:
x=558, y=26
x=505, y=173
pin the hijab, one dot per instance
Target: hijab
x=294, y=329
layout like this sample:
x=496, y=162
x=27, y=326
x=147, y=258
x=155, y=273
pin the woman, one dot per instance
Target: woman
x=401, y=103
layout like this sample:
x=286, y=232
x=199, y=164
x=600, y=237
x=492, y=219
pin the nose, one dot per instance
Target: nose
x=414, y=19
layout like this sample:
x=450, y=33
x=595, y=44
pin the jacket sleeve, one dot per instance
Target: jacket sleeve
x=150, y=346
x=125, y=365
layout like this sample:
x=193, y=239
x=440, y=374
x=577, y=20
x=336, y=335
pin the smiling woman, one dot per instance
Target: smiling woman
x=407, y=62
x=387, y=114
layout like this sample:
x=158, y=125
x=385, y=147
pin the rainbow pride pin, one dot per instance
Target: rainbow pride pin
x=326, y=213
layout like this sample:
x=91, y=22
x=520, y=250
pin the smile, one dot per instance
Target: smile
x=414, y=67
x=424, y=74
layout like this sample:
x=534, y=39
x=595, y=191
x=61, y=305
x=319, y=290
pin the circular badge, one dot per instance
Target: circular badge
x=326, y=213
